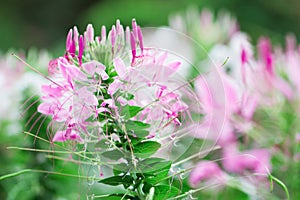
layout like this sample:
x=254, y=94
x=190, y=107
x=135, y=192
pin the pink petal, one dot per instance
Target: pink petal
x=61, y=114
x=104, y=75
x=52, y=90
x=256, y=160
x=249, y=104
x=283, y=87
x=87, y=97
x=59, y=136
x=113, y=87
x=206, y=170
x=120, y=67
x=53, y=67
x=46, y=108
x=71, y=72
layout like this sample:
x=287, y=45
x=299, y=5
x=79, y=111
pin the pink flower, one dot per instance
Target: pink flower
x=254, y=160
x=69, y=134
x=206, y=171
x=264, y=77
x=94, y=67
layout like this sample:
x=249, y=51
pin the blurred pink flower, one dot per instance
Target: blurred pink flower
x=206, y=171
x=254, y=160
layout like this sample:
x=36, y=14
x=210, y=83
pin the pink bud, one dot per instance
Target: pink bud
x=265, y=51
x=69, y=40
x=76, y=34
x=134, y=27
x=127, y=34
x=133, y=47
x=118, y=26
x=113, y=36
x=72, y=49
x=103, y=34
x=140, y=38
x=90, y=33
x=290, y=43
x=81, y=49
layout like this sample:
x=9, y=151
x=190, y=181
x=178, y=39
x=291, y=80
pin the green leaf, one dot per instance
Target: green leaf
x=136, y=125
x=139, y=133
x=135, y=140
x=154, y=164
x=113, y=154
x=130, y=111
x=103, y=116
x=128, y=96
x=155, y=169
x=102, y=144
x=163, y=192
x=120, y=168
x=116, y=197
x=118, y=180
x=146, y=187
x=146, y=149
x=137, y=128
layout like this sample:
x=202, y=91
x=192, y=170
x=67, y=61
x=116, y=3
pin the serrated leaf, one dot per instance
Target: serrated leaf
x=163, y=192
x=146, y=149
x=130, y=111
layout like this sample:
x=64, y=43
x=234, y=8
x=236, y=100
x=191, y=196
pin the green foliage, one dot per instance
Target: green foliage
x=146, y=149
x=130, y=111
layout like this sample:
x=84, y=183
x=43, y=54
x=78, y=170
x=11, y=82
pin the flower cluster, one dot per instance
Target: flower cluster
x=239, y=100
x=92, y=78
x=119, y=98
x=127, y=104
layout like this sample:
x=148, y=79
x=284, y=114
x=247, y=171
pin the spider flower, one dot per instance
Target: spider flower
x=79, y=79
x=97, y=71
x=204, y=27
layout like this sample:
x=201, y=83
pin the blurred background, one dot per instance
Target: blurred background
x=44, y=24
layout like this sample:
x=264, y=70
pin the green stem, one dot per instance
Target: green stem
x=279, y=182
x=44, y=172
x=15, y=174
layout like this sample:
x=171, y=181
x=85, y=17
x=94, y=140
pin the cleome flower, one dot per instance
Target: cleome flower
x=104, y=75
x=81, y=77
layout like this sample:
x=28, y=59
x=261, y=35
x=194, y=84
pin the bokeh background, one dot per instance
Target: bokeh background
x=44, y=24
